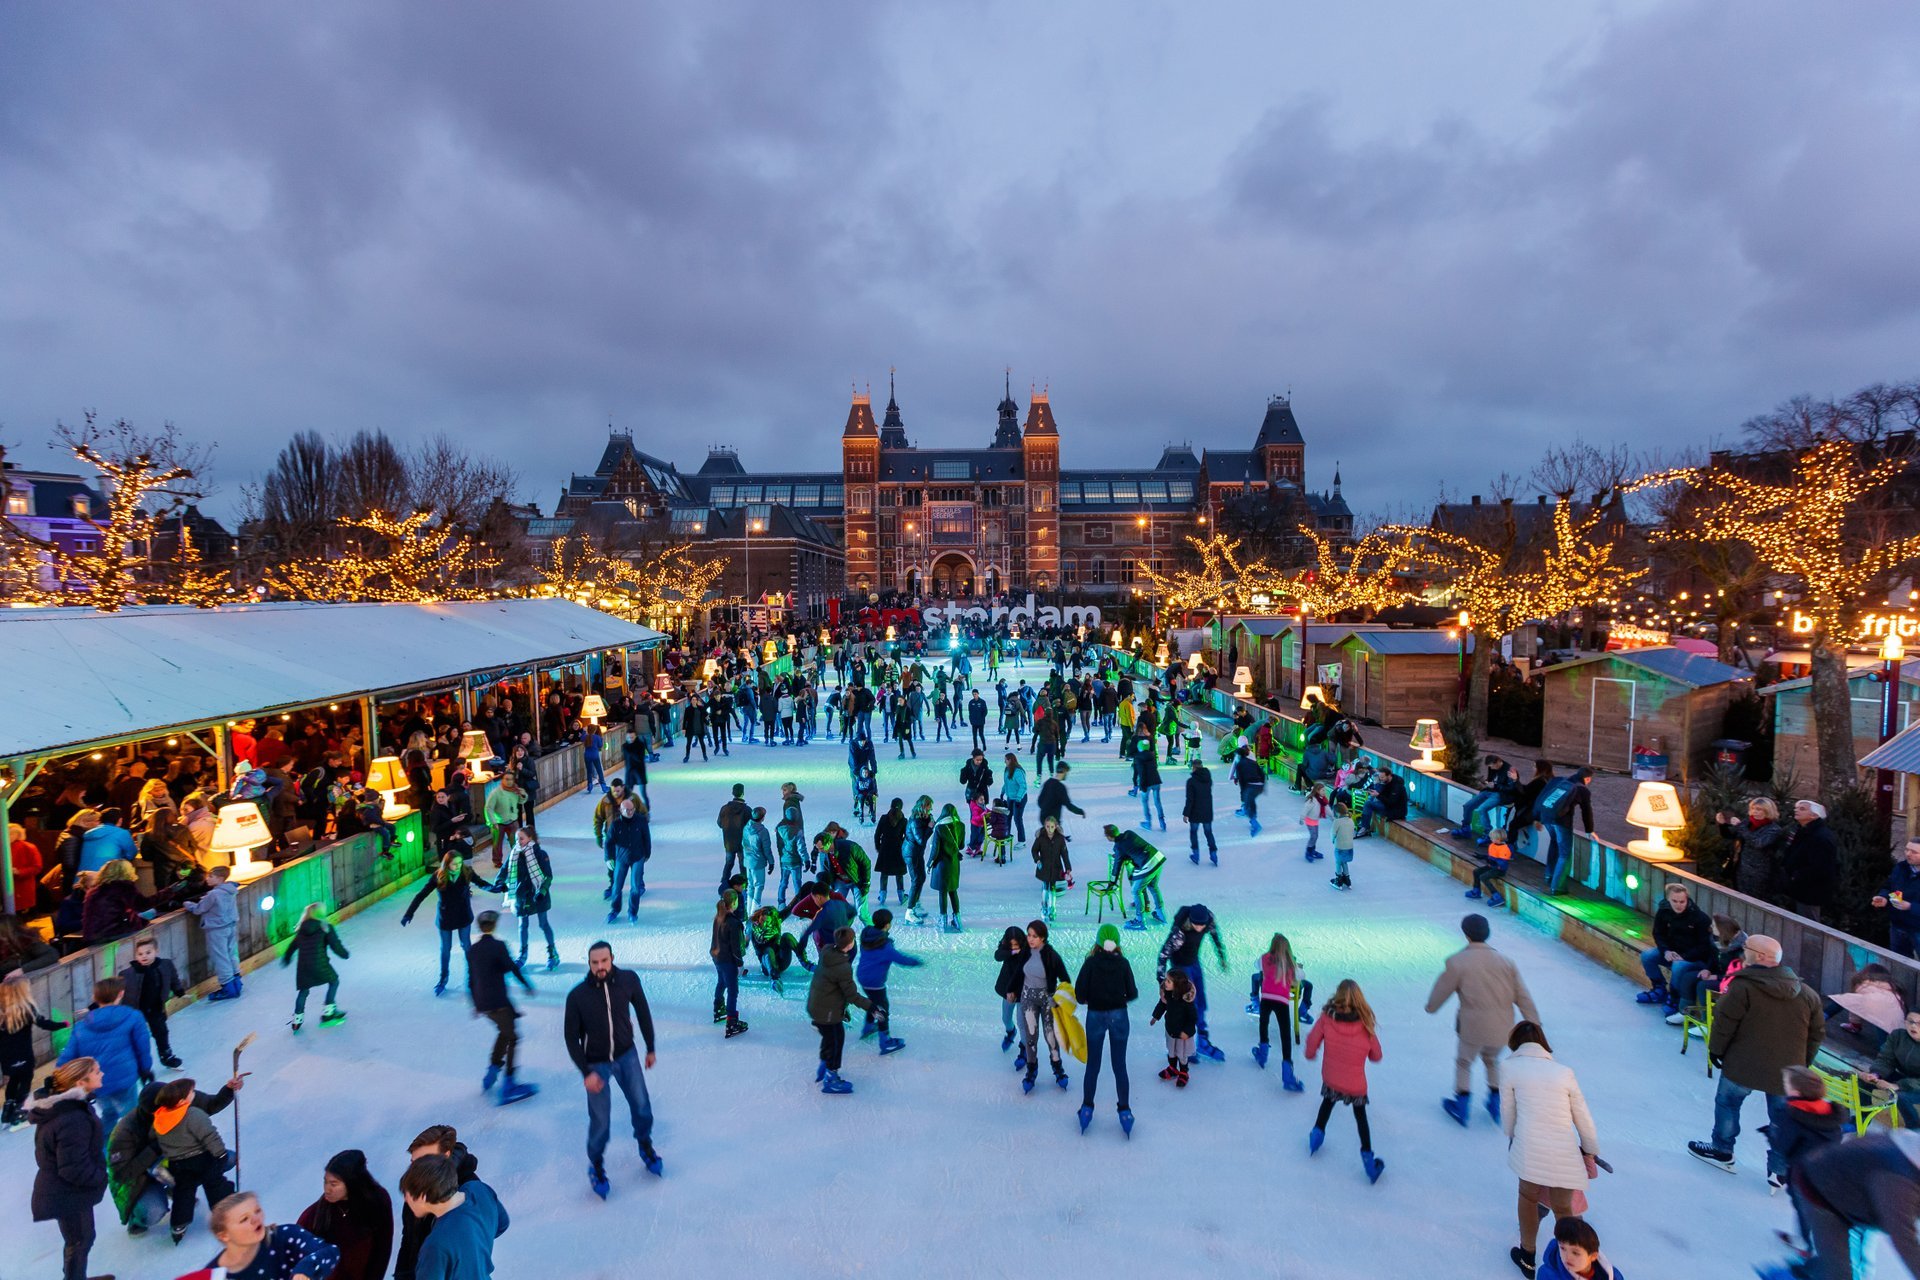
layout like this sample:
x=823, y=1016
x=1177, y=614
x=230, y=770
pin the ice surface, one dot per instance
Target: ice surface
x=938, y=1165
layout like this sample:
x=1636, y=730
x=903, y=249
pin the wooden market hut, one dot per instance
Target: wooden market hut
x=1599, y=708
x=1253, y=642
x=1322, y=637
x=1794, y=750
x=1397, y=677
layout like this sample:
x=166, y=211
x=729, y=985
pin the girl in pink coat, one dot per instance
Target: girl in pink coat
x=1345, y=1031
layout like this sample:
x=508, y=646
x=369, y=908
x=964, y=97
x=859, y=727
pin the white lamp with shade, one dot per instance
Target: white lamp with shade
x=593, y=709
x=1313, y=692
x=237, y=831
x=1656, y=806
x=1193, y=663
x=663, y=684
x=1427, y=740
x=389, y=778
x=1119, y=638
x=1243, y=682
x=1160, y=656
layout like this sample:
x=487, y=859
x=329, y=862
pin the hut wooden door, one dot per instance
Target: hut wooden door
x=1610, y=713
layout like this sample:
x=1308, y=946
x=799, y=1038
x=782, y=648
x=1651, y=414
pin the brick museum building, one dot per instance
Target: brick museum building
x=912, y=520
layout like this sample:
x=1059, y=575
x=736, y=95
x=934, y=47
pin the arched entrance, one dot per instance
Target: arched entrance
x=952, y=575
x=913, y=582
x=993, y=581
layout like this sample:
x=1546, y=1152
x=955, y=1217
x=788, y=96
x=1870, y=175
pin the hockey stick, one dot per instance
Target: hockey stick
x=238, y=1075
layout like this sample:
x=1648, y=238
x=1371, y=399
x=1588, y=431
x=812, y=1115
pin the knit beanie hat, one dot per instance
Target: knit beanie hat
x=1476, y=928
x=1199, y=914
x=1109, y=937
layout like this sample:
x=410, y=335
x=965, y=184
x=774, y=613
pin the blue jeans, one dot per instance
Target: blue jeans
x=1199, y=993
x=1559, y=855
x=1481, y=800
x=1250, y=801
x=1007, y=1009
x=790, y=872
x=1686, y=976
x=545, y=928
x=1149, y=801
x=625, y=1072
x=114, y=1105
x=625, y=864
x=726, y=987
x=446, y=947
x=1193, y=836
x=594, y=772
x=1105, y=1025
x=300, y=997
x=1727, y=1101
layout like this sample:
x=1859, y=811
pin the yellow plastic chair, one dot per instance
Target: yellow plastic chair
x=1864, y=1106
x=1701, y=1016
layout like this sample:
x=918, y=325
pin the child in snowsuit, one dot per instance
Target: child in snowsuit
x=1183, y=1023
x=1345, y=1031
x=878, y=955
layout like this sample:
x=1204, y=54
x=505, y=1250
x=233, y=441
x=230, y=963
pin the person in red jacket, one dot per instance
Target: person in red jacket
x=27, y=865
x=1345, y=1030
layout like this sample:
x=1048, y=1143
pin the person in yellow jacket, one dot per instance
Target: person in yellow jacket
x=1126, y=716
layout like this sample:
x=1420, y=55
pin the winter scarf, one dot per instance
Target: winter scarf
x=536, y=880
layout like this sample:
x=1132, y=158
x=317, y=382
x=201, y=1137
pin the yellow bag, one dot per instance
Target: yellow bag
x=1072, y=1034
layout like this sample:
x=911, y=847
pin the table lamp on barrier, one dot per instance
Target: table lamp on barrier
x=1313, y=692
x=1656, y=806
x=389, y=778
x=237, y=831
x=593, y=709
x=1427, y=740
x=476, y=751
x=1243, y=682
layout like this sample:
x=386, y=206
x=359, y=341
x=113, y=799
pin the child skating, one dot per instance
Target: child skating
x=1313, y=811
x=832, y=991
x=1183, y=1024
x=878, y=955
x=1273, y=993
x=313, y=938
x=1342, y=842
x=1345, y=1031
x=1010, y=955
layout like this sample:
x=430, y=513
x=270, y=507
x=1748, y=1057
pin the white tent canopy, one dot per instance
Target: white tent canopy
x=74, y=676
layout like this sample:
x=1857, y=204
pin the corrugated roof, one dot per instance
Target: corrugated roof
x=1410, y=642
x=1900, y=753
x=1694, y=670
x=1909, y=674
x=74, y=676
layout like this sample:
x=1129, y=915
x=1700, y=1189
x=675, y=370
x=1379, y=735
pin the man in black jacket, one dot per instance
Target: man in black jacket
x=599, y=1035
x=1683, y=942
x=733, y=819
x=489, y=964
x=1199, y=813
x=1811, y=861
x=1898, y=896
x=1054, y=797
x=976, y=776
x=977, y=720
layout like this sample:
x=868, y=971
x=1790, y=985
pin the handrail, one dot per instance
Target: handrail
x=1821, y=955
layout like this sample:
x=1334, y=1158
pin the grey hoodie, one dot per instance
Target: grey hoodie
x=219, y=908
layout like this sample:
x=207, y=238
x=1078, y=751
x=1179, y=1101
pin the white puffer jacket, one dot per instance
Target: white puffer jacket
x=1546, y=1120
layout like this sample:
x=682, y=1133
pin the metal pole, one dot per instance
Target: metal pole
x=6, y=848
x=1891, y=653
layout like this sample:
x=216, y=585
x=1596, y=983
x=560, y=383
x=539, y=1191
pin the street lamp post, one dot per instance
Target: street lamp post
x=1464, y=621
x=1891, y=652
x=1153, y=590
x=753, y=527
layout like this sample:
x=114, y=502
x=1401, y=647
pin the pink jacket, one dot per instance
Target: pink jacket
x=1275, y=986
x=1350, y=1047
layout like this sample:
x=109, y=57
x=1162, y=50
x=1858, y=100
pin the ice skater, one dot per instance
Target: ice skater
x=949, y=836
x=1489, y=988
x=527, y=880
x=1180, y=953
x=453, y=880
x=598, y=1028
x=1105, y=987
x=878, y=955
x=1052, y=865
x=489, y=965
x=1040, y=972
x=313, y=938
x=1346, y=1031
x=1143, y=864
x=1178, y=1007
x=1275, y=987
x=831, y=991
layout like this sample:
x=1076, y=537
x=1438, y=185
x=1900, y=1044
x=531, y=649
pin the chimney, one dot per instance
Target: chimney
x=1541, y=498
x=1476, y=499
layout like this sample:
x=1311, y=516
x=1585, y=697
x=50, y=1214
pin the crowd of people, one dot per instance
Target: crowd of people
x=105, y=1122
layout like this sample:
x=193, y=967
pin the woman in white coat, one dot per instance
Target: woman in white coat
x=1551, y=1143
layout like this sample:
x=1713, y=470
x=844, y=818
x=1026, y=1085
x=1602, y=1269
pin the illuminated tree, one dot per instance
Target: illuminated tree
x=189, y=581
x=1503, y=581
x=404, y=559
x=1218, y=584
x=1364, y=576
x=1820, y=527
x=671, y=579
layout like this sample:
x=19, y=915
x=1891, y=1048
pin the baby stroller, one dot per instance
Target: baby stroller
x=999, y=831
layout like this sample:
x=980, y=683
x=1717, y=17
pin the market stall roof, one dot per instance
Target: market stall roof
x=1900, y=753
x=1674, y=663
x=76, y=676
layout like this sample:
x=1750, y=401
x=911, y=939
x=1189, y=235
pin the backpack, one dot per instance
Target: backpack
x=1556, y=801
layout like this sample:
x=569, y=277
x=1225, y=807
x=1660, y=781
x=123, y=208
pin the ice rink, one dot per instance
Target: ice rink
x=938, y=1165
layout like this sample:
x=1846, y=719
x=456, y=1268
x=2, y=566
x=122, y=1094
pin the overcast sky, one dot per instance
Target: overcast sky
x=1456, y=233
